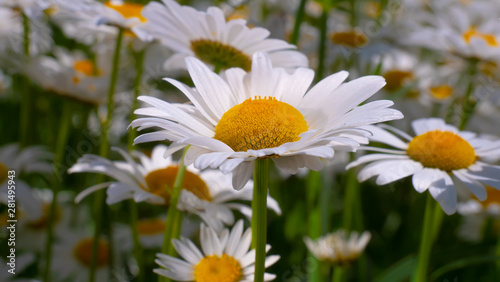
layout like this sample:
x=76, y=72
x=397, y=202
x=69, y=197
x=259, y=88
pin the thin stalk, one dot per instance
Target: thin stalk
x=259, y=216
x=351, y=207
x=173, y=213
x=104, y=152
x=137, y=243
x=322, y=41
x=426, y=240
x=354, y=17
x=62, y=140
x=314, y=218
x=139, y=62
x=338, y=274
x=26, y=100
x=469, y=103
x=299, y=17
x=138, y=250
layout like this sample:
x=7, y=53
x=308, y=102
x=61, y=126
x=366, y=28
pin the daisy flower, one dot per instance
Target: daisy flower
x=468, y=30
x=27, y=160
x=338, y=248
x=241, y=117
x=208, y=36
x=73, y=257
x=115, y=12
x=221, y=258
x=438, y=158
x=207, y=194
x=72, y=75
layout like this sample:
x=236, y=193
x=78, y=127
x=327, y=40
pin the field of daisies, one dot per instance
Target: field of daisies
x=238, y=140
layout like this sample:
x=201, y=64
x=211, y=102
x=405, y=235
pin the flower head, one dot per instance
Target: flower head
x=224, y=257
x=338, y=248
x=207, y=194
x=439, y=157
x=268, y=113
x=209, y=37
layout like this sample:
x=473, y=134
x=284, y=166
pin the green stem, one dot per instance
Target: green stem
x=322, y=41
x=26, y=35
x=353, y=18
x=299, y=17
x=313, y=193
x=426, y=240
x=352, y=207
x=137, y=243
x=104, y=152
x=338, y=274
x=259, y=216
x=25, y=95
x=469, y=103
x=62, y=140
x=139, y=62
x=173, y=214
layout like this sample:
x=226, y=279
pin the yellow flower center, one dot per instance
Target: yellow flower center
x=350, y=38
x=373, y=9
x=488, y=68
x=127, y=10
x=150, y=226
x=488, y=38
x=260, y=123
x=4, y=173
x=83, y=252
x=441, y=92
x=43, y=221
x=396, y=79
x=493, y=197
x=443, y=150
x=85, y=66
x=221, y=269
x=220, y=54
x=161, y=182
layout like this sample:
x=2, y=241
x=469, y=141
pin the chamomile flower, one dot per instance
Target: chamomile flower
x=242, y=117
x=224, y=257
x=338, y=248
x=72, y=75
x=209, y=37
x=207, y=194
x=73, y=258
x=468, y=30
x=439, y=158
x=27, y=160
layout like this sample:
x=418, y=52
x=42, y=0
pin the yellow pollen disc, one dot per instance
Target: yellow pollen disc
x=43, y=221
x=83, y=252
x=396, y=79
x=493, y=197
x=443, y=150
x=221, y=269
x=4, y=173
x=259, y=124
x=441, y=92
x=350, y=38
x=128, y=10
x=488, y=68
x=373, y=9
x=86, y=67
x=161, y=182
x=150, y=226
x=488, y=38
x=220, y=54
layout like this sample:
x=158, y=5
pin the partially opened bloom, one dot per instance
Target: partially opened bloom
x=338, y=248
x=207, y=194
x=438, y=158
x=268, y=113
x=221, y=258
x=27, y=160
x=208, y=36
